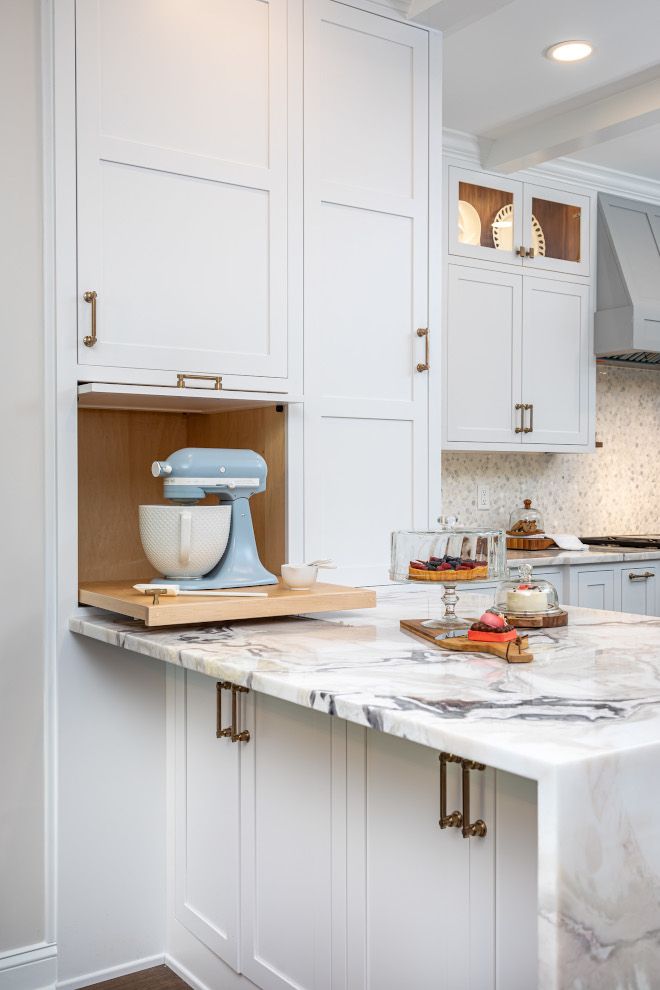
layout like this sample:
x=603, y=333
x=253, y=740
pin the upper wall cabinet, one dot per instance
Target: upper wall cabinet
x=497, y=219
x=182, y=185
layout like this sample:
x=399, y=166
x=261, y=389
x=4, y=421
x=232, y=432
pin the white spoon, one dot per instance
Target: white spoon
x=324, y=562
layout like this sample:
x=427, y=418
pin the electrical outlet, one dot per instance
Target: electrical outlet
x=483, y=496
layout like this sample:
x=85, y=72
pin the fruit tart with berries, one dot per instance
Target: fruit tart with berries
x=448, y=569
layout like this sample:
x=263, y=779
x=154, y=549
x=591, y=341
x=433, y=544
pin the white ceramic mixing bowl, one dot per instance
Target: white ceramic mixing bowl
x=184, y=541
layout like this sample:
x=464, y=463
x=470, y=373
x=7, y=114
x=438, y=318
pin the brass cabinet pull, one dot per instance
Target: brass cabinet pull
x=232, y=731
x=640, y=577
x=520, y=407
x=91, y=297
x=424, y=332
x=458, y=819
x=530, y=253
x=476, y=829
x=529, y=406
x=216, y=379
x=522, y=251
x=455, y=818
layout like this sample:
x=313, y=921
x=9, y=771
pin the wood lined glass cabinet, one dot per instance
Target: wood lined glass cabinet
x=498, y=219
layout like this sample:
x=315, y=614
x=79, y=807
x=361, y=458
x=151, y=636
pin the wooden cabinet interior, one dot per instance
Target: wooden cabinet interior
x=560, y=223
x=487, y=202
x=115, y=452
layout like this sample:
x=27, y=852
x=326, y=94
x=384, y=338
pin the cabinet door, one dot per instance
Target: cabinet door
x=408, y=890
x=286, y=857
x=596, y=589
x=555, y=362
x=639, y=589
x=483, y=356
x=556, y=229
x=485, y=216
x=207, y=816
x=366, y=286
x=182, y=209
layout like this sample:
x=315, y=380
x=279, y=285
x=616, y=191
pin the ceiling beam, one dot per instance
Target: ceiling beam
x=451, y=15
x=565, y=132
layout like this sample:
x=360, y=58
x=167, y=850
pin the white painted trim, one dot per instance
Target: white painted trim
x=34, y=968
x=50, y=473
x=465, y=149
x=437, y=204
x=112, y=972
x=187, y=976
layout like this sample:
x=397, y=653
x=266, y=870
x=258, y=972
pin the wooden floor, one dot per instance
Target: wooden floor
x=158, y=978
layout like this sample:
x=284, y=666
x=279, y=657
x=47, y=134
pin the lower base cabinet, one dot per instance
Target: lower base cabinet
x=310, y=856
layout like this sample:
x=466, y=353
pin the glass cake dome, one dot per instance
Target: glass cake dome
x=526, y=595
x=445, y=558
x=525, y=521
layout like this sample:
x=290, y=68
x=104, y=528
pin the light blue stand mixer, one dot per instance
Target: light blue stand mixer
x=233, y=475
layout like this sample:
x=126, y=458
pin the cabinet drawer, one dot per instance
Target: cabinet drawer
x=639, y=589
x=596, y=589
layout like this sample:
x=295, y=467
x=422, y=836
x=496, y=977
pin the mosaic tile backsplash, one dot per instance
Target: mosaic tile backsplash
x=615, y=490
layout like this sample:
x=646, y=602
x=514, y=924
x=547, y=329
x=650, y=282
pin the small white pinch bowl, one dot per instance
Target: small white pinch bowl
x=299, y=577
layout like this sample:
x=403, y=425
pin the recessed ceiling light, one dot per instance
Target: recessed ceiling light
x=569, y=51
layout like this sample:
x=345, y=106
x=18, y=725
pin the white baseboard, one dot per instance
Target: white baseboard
x=32, y=969
x=101, y=975
x=185, y=974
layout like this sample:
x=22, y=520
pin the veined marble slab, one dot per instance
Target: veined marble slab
x=583, y=720
x=596, y=555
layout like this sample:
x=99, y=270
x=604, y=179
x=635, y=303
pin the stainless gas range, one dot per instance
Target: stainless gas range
x=644, y=541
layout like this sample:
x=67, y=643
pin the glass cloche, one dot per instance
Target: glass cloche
x=525, y=521
x=526, y=595
x=446, y=558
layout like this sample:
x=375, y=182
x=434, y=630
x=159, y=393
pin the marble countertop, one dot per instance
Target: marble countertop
x=593, y=688
x=583, y=720
x=595, y=555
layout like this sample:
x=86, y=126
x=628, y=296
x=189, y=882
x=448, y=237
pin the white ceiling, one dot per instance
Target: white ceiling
x=496, y=75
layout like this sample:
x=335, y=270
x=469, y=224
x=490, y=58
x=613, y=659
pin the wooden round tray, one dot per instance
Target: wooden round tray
x=538, y=621
x=529, y=543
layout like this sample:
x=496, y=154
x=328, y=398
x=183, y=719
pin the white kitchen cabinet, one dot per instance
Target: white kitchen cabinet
x=286, y=845
x=366, y=285
x=597, y=588
x=639, y=589
x=494, y=218
x=182, y=129
x=207, y=819
x=517, y=368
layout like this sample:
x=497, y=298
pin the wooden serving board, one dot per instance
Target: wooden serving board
x=538, y=621
x=529, y=543
x=514, y=652
x=120, y=596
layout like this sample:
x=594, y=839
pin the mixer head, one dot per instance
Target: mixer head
x=192, y=473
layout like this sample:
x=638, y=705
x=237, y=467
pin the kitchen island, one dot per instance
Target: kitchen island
x=583, y=721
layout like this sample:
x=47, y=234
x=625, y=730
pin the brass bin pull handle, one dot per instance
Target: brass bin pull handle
x=424, y=332
x=455, y=818
x=640, y=577
x=476, y=829
x=216, y=379
x=520, y=407
x=529, y=406
x=232, y=731
x=91, y=297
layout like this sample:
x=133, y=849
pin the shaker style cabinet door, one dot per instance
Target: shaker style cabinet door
x=366, y=286
x=286, y=845
x=182, y=169
x=207, y=818
x=483, y=356
x=485, y=216
x=556, y=228
x=555, y=362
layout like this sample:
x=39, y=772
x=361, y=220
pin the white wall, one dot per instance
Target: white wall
x=22, y=805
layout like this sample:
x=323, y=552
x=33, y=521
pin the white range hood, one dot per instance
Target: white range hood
x=628, y=301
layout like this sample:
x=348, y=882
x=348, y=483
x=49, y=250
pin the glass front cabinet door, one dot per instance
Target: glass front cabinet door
x=497, y=219
x=485, y=216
